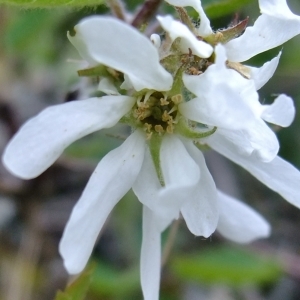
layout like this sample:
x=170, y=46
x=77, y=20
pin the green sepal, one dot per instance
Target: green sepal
x=178, y=82
x=100, y=70
x=226, y=35
x=154, y=144
x=78, y=289
x=171, y=63
x=184, y=129
x=234, y=31
x=131, y=121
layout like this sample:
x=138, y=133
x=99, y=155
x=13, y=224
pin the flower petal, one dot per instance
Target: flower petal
x=275, y=26
x=148, y=193
x=106, y=86
x=259, y=141
x=42, y=139
x=188, y=39
x=204, y=28
x=181, y=175
x=115, y=44
x=239, y=222
x=110, y=181
x=262, y=75
x=278, y=175
x=263, y=140
x=218, y=90
x=178, y=168
x=150, y=256
x=281, y=112
x=201, y=212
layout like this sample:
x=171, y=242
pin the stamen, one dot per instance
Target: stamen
x=159, y=129
x=147, y=127
x=165, y=117
x=148, y=94
x=163, y=101
x=177, y=99
x=174, y=108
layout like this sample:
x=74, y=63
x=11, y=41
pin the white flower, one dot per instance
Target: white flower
x=276, y=25
x=220, y=88
x=224, y=98
x=173, y=88
x=187, y=185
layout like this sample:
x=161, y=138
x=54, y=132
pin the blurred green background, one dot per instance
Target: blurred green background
x=38, y=68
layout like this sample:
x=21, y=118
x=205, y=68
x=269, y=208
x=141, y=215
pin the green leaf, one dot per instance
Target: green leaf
x=219, y=8
x=52, y=3
x=110, y=282
x=78, y=289
x=226, y=265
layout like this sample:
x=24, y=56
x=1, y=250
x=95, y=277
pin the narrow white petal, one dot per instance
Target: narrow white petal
x=218, y=90
x=262, y=75
x=278, y=175
x=239, y=222
x=42, y=139
x=115, y=44
x=110, y=181
x=201, y=212
x=150, y=256
x=275, y=26
x=204, y=28
x=127, y=84
x=181, y=176
x=214, y=107
x=147, y=188
x=106, y=86
x=258, y=141
x=177, y=165
x=281, y=112
x=234, y=139
x=263, y=140
x=188, y=39
x=276, y=8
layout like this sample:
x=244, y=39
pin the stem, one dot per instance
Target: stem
x=170, y=242
x=146, y=12
x=117, y=9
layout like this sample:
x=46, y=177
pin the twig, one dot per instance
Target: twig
x=146, y=12
x=170, y=242
x=117, y=9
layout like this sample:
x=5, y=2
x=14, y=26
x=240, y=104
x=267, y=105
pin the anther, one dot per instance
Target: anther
x=159, y=129
x=164, y=102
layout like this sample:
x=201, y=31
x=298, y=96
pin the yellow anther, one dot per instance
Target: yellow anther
x=163, y=102
x=158, y=128
x=170, y=128
x=147, y=127
x=177, y=99
x=165, y=117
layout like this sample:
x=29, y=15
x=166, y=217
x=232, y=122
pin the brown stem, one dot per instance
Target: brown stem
x=145, y=13
x=117, y=9
x=170, y=242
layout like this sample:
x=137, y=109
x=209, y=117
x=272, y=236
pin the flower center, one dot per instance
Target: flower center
x=194, y=64
x=157, y=112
